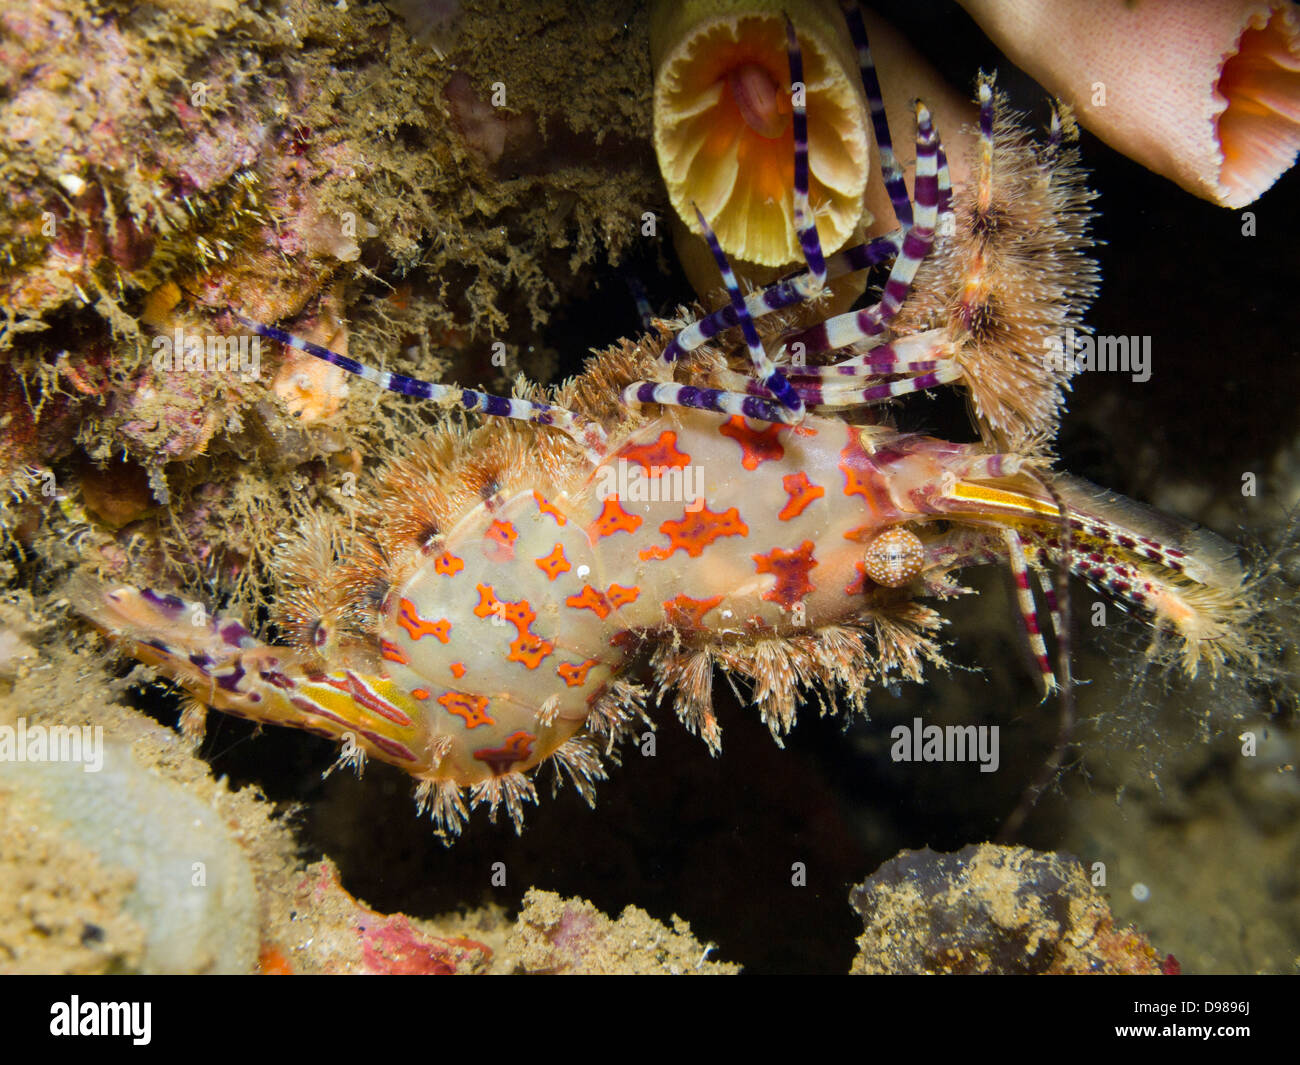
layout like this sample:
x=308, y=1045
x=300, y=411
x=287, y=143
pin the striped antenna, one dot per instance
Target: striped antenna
x=586, y=432
x=893, y=173
x=769, y=376
x=782, y=294
x=805, y=223
x=670, y=394
x=643, y=309
x=1028, y=612
x=856, y=326
x=985, y=182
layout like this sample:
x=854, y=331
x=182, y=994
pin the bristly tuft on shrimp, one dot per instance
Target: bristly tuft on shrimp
x=1010, y=275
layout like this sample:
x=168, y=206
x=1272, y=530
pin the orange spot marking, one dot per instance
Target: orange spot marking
x=448, y=564
x=527, y=647
x=864, y=534
x=546, y=508
x=801, y=492
x=417, y=627
x=614, y=519
x=791, y=569
x=488, y=603
x=860, y=473
x=858, y=585
x=458, y=669
x=392, y=652
x=420, y=693
x=573, y=674
x=555, y=563
x=696, y=531
x=683, y=612
x=472, y=708
x=756, y=445
x=518, y=747
x=503, y=535
x=658, y=456
x=590, y=599
x=620, y=596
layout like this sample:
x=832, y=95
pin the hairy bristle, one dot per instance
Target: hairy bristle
x=578, y=758
x=510, y=790
x=314, y=603
x=689, y=677
x=445, y=801
x=1008, y=279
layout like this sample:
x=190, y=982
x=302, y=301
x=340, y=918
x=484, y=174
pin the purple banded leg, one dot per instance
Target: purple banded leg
x=781, y=294
x=1058, y=602
x=807, y=283
x=916, y=353
x=990, y=467
x=790, y=291
x=984, y=196
x=828, y=390
x=891, y=171
x=1053, y=604
x=1028, y=612
x=818, y=395
x=945, y=183
x=768, y=375
x=923, y=356
x=805, y=223
x=759, y=408
x=864, y=256
x=587, y=433
x=827, y=393
x=856, y=326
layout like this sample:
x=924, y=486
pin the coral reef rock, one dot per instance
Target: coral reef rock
x=991, y=909
x=337, y=933
x=571, y=936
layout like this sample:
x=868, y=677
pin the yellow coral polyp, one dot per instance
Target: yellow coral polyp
x=722, y=122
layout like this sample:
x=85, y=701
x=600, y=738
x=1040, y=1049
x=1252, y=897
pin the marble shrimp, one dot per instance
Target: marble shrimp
x=703, y=503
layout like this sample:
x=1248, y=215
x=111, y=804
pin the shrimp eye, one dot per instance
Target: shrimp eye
x=893, y=558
